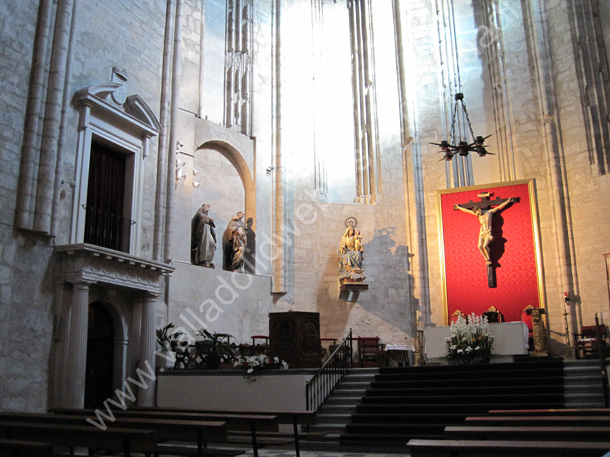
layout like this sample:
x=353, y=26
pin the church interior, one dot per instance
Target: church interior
x=211, y=204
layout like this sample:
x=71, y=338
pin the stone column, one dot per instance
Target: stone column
x=120, y=362
x=146, y=396
x=77, y=346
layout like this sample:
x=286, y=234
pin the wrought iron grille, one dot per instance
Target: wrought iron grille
x=106, y=229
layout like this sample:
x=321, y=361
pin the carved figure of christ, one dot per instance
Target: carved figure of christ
x=484, y=212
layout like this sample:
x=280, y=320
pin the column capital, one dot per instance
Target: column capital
x=151, y=296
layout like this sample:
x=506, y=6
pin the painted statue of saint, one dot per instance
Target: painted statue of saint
x=203, y=238
x=351, y=253
x=234, y=243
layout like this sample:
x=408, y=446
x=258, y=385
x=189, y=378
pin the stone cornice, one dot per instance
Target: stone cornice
x=94, y=264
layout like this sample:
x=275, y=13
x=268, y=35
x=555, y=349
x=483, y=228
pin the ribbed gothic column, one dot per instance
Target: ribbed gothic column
x=173, y=139
x=77, y=346
x=163, y=149
x=413, y=181
x=34, y=114
x=278, y=262
x=52, y=118
x=536, y=24
x=146, y=396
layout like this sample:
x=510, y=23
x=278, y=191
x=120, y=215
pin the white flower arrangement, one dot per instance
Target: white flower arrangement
x=470, y=340
x=255, y=363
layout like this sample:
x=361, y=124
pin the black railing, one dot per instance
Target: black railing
x=324, y=381
x=602, y=363
x=108, y=230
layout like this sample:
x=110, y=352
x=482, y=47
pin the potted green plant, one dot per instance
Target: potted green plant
x=214, y=348
x=167, y=340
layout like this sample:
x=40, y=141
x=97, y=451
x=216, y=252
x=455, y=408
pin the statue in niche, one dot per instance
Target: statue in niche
x=203, y=238
x=351, y=254
x=234, y=243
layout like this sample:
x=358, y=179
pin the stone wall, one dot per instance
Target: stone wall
x=104, y=35
x=300, y=125
x=219, y=301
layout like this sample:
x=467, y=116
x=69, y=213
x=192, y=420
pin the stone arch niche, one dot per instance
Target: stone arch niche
x=118, y=304
x=228, y=186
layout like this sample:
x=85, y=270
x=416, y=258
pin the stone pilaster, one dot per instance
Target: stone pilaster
x=146, y=396
x=77, y=346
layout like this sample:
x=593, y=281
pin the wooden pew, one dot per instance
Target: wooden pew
x=20, y=448
x=551, y=412
x=524, y=433
x=294, y=418
x=539, y=420
x=196, y=431
x=238, y=422
x=470, y=448
x=112, y=439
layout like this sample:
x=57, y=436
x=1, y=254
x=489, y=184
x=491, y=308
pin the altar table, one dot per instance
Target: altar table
x=510, y=338
x=406, y=352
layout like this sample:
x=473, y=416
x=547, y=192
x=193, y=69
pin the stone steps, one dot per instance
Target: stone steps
x=418, y=402
x=338, y=408
x=583, y=387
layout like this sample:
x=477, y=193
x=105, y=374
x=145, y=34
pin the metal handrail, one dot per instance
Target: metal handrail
x=328, y=376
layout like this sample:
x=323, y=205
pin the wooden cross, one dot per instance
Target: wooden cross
x=485, y=203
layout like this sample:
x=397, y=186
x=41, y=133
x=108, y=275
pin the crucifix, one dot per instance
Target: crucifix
x=484, y=210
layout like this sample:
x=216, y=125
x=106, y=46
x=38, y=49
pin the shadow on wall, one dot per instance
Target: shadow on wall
x=250, y=255
x=389, y=297
x=387, y=266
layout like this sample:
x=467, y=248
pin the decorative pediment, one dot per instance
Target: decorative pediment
x=94, y=264
x=109, y=100
x=139, y=109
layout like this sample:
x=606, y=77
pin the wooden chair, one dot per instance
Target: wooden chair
x=456, y=314
x=260, y=348
x=332, y=344
x=370, y=352
x=493, y=315
x=245, y=350
x=586, y=340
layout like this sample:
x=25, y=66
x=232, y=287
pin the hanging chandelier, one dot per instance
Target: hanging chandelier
x=459, y=135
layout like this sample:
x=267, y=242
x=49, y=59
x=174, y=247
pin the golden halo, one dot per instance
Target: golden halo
x=351, y=222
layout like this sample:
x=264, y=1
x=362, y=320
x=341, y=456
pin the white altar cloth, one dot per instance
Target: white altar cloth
x=400, y=347
x=407, y=351
x=510, y=338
